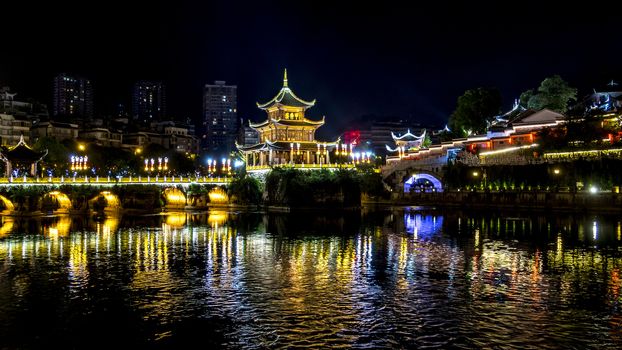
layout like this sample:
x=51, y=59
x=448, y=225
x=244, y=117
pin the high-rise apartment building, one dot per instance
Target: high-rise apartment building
x=72, y=97
x=220, y=121
x=149, y=102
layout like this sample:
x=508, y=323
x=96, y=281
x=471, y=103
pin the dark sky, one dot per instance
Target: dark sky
x=384, y=58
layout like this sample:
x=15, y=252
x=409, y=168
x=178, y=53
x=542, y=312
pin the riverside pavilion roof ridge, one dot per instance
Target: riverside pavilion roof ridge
x=286, y=97
x=286, y=122
x=23, y=152
x=409, y=136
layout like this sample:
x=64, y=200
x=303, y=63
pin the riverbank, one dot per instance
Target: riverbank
x=558, y=201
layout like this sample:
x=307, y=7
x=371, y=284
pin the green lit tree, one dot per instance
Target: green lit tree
x=553, y=93
x=475, y=108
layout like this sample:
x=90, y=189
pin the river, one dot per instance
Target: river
x=392, y=278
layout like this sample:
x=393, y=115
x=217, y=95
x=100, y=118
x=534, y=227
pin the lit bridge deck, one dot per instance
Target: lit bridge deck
x=110, y=181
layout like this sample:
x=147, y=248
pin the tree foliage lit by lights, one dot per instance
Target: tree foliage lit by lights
x=474, y=109
x=553, y=93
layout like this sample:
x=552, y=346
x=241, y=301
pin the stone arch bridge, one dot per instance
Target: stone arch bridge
x=29, y=198
x=416, y=175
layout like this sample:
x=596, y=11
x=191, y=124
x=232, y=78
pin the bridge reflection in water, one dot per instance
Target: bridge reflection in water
x=384, y=279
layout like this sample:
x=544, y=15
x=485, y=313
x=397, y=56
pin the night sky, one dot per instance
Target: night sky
x=385, y=59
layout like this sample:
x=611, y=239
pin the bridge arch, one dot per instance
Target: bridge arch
x=6, y=204
x=423, y=182
x=109, y=200
x=174, y=197
x=218, y=195
x=56, y=201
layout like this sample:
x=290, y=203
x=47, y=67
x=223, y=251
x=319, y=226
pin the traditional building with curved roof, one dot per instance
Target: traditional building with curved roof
x=21, y=156
x=287, y=136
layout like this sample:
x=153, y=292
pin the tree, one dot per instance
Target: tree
x=474, y=109
x=57, y=157
x=553, y=93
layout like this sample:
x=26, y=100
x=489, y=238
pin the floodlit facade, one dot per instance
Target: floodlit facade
x=287, y=137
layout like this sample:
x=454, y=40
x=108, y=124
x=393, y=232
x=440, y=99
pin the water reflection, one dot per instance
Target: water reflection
x=401, y=278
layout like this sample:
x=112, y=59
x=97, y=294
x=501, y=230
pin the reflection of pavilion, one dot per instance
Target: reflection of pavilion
x=21, y=156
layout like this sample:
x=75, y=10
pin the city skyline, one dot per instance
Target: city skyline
x=361, y=61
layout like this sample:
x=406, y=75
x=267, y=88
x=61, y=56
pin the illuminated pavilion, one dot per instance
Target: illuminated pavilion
x=21, y=156
x=407, y=142
x=287, y=137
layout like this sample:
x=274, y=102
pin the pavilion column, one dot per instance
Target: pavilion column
x=33, y=169
x=308, y=158
x=8, y=169
x=327, y=157
x=270, y=157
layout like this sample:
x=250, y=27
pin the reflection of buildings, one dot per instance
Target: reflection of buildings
x=217, y=218
x=422, y=226
x=329, y=282
x=58, y=228
x=7, y=226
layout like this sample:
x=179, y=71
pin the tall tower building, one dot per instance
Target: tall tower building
x=220, y=121
x=72, y=97
x=149, y=101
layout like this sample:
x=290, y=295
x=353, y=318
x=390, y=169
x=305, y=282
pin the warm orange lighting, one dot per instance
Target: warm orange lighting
x=174, y=197
x=217, y=218
x=176, y=220
x=218, y=195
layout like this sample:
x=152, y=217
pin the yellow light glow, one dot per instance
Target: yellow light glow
x=218, y=195
x=8, y=205
x=81, y=147
x=7, y=226
x=217, y=218
x=59, y=229
x=509, y=149
x=174, y=197
x=64, y=203
x=176, y=220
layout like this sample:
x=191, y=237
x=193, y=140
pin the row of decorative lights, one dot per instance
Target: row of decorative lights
x=162, y=164
x=225, y=165
x=79, y=162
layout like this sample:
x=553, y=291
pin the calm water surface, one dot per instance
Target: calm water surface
x=399, y=278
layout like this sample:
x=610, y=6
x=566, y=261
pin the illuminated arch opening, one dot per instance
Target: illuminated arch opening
x=423, y=183
x=56, y=201
x=174, y=197
x=112, y=201
x=8, y=205
x=218, y=196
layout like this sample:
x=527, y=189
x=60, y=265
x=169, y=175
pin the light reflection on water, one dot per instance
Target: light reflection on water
x=401, y=278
